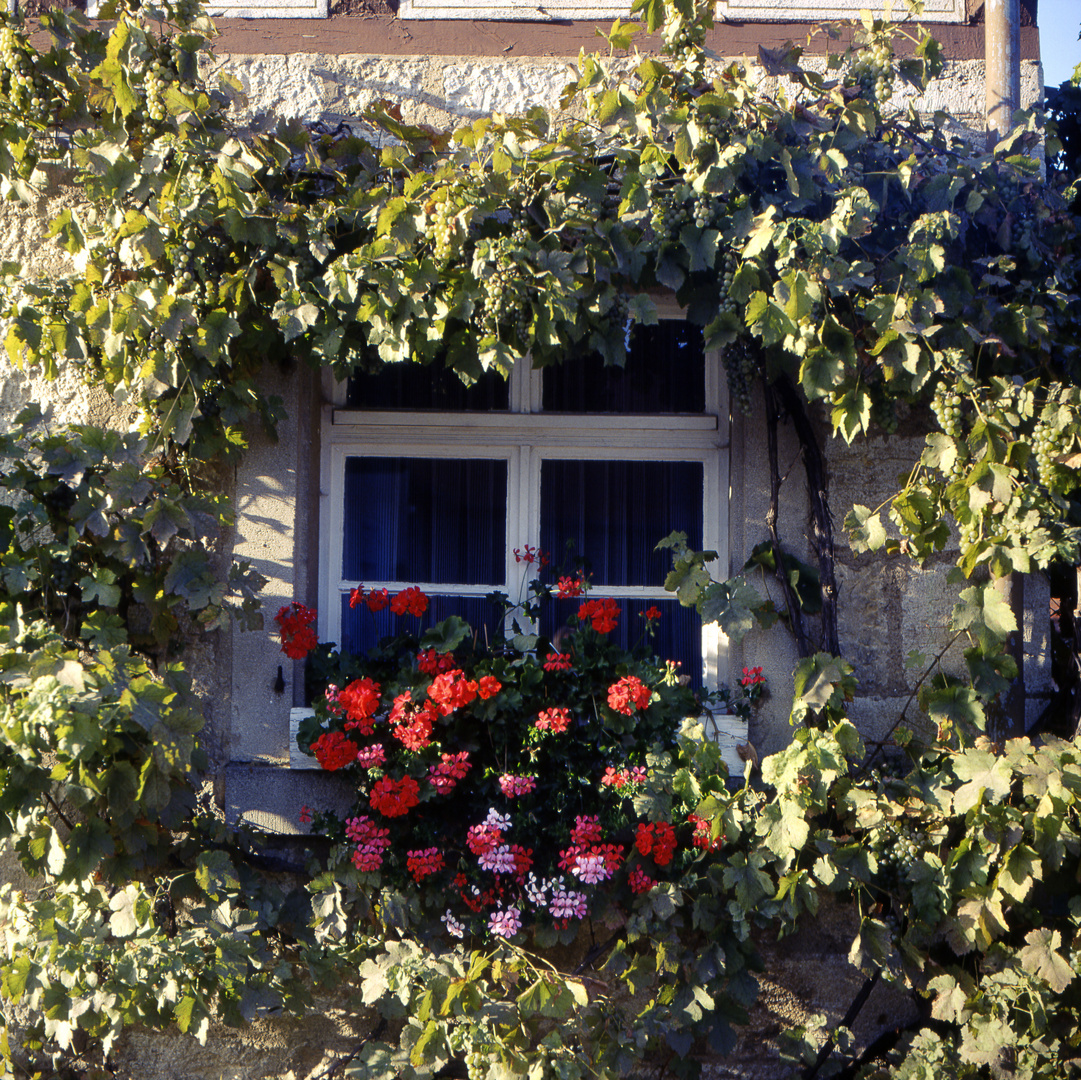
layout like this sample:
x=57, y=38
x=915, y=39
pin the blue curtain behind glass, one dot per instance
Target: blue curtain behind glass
x=664, y=373
x=421, y=519
x=677, y=635
x=615, y=512
x=361, y=630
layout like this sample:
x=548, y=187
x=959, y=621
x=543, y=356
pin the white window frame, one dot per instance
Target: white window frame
x=524, y=439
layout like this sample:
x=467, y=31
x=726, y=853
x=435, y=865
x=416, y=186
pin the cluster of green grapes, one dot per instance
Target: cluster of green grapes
x=680, y=44
x=1050, y=441
x=884, y=410
x=159, y=72
x=477, y=1064
x=741, y=367
x=185, y=264
x=671, y=210
x=899, y=853
x=27, y=89
x=704, y=210
x=873, y=70
x=731, y=264
x=946, y=405
x=619, y=314
x=443, y=228
x=502, y=305
x=712, y=125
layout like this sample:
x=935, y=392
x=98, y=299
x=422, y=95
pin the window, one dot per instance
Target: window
x=428, y=483
x=254, y=9
x=748, y=10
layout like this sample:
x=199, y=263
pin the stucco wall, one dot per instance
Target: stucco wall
x=442, y=90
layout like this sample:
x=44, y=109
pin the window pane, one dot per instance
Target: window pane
x=432, y=386
x=677, y=635
x=361, y=630
x=665, y=373
x=613, y=513
x=421, y=519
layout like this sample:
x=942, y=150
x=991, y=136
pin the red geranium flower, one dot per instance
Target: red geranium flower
x=531, y=555
x=703, y=834
x=628, y=694
x=752, y=677
x=298, y=638
x=360, y=700
x=394, y=798
x=554, y=720
x=333, y=750
x=657, y=838
x=423, y=863
x=488, y=686
x=603, y=614
x=412, y=724
x=417, y=733
x=409, y=601
x=639, y=881
x=431, y=662
x=567, y=587
x=452, y=690
x=377, y=600
x=356, y=596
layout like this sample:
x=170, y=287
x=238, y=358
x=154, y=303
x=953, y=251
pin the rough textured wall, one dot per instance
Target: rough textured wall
x=443, y=90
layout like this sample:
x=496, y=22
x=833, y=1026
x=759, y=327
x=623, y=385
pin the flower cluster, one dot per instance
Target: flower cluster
x=411, y=601
x=444, y=777
x=554, y=720
x=651, y=614
x=531, y=555
x=394, y=798
x=568, y=587
x=639, y=881
x=412, y=724
x=333, y=750
x=506, y=923
x=657, y=838
x=587, y=858
x=431, y=662
x=371, y=757
x=436, y=731
x=452, y=690
x=703, y=834
x=295, y=628
x=555, y=661
x=422, y=864
x=752, y=677
x=332, y=697
x=513, y=786
x=360, y=699
x=628, y=694
x=624, y=779
x=602, y=614
x=370, y=840
x=597, y=862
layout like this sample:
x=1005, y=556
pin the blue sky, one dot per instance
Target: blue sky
x=1060, y=23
